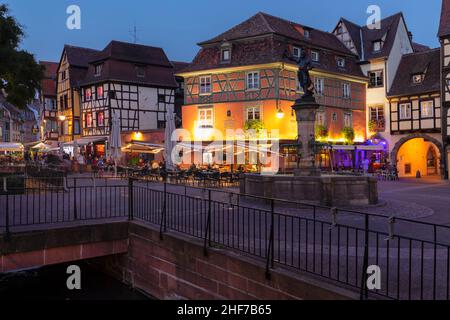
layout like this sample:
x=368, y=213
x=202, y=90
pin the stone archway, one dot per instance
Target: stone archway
x=425, y=137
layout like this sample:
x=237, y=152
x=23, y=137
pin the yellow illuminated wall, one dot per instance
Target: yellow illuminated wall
x=414, y=153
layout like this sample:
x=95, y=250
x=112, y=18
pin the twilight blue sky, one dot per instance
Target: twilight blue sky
x=177, y=25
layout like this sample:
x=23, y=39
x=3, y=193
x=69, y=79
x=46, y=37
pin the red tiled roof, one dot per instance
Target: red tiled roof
x=178, y=66
x=51, y=68
x=426, y=62
x=444, y=26
x=417, y=47
x=388, y=30
x=132, y=53
x=275, y=36
x=263, y=23
x=79, y=57
x=120, y=61
x=48, y=84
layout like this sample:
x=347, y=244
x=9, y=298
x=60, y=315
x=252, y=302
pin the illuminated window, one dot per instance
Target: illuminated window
x=88, y=120
x=427, y=109
x=205, y=85
x=100, y=119
x=253, y=113
x=205, y=117
x=87, y=94
x=346, y=90
x=253, y=80
x=100, y=92
x=319, y=85
x=405, y=111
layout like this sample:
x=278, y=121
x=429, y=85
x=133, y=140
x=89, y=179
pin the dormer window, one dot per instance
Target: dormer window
x=417, y=78
x=377, y=45
x=340, y=62
x=307, y=33
x=225, y=55
x=315, y=56
x=296, y=52
x=98, y=69
x=140, y=71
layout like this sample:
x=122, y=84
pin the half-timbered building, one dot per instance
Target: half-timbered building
x=48, y=103
x=415, y=115
x=246, y=75
x=72, y=69
x=444, y=37
x=135, y=81
x=379, y=51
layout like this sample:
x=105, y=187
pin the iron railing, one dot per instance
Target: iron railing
x=336, y=244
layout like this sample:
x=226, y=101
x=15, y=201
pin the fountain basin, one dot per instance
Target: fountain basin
x=327, y=190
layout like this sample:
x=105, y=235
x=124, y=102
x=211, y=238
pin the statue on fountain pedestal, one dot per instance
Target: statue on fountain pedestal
x=304, y=79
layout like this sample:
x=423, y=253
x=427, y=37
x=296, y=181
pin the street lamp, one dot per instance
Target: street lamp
x=280, y=114
x=62, y=117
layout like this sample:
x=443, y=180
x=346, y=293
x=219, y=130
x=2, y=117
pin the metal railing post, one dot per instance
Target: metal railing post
x=270, y=252
x=207, y=239
x=130, y=199
x=75, y=214
x=163, y=213
x=364, y=290
x=7, y=231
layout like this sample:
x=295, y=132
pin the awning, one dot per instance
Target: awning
x=11, y=147
x=85, y=141
x=351, y=148
x=143, y=147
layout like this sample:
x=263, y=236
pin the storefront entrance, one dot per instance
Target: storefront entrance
x=418, y=156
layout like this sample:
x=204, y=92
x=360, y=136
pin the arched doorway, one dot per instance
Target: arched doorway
x=417, y=153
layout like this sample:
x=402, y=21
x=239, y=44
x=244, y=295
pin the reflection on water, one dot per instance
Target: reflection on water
x=49, y=283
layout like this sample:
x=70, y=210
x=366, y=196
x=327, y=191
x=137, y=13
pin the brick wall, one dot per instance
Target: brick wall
x=176, y=268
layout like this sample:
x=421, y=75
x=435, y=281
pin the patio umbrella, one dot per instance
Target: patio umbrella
x=170, y=128
x=115, y=140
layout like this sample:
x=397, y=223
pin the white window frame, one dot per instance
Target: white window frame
x=417, y=78
x=380, y=42
x=98, y=70
x=205, y=117
x=340, y=62
x=252, y=80
x=253, y=110
x=298, y=50
x=222, y=54
x=203, y=84
x=379, y=74
x=319, y=88
x=379, y=113
x=315, y=56
x=405, y=111
x=346, y=90
x=429, y=106
x=348, y=117
x=321, y=118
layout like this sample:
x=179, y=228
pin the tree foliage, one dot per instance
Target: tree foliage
x=20, y=74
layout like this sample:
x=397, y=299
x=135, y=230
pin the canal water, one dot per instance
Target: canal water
x=49, y=283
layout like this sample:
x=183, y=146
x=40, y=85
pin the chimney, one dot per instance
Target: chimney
x=410, y=35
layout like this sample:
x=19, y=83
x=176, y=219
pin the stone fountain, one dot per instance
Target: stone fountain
x=307, y=184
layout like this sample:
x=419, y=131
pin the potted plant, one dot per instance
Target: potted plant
x=321, y=132
x=256, y=125
x=349, y=134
